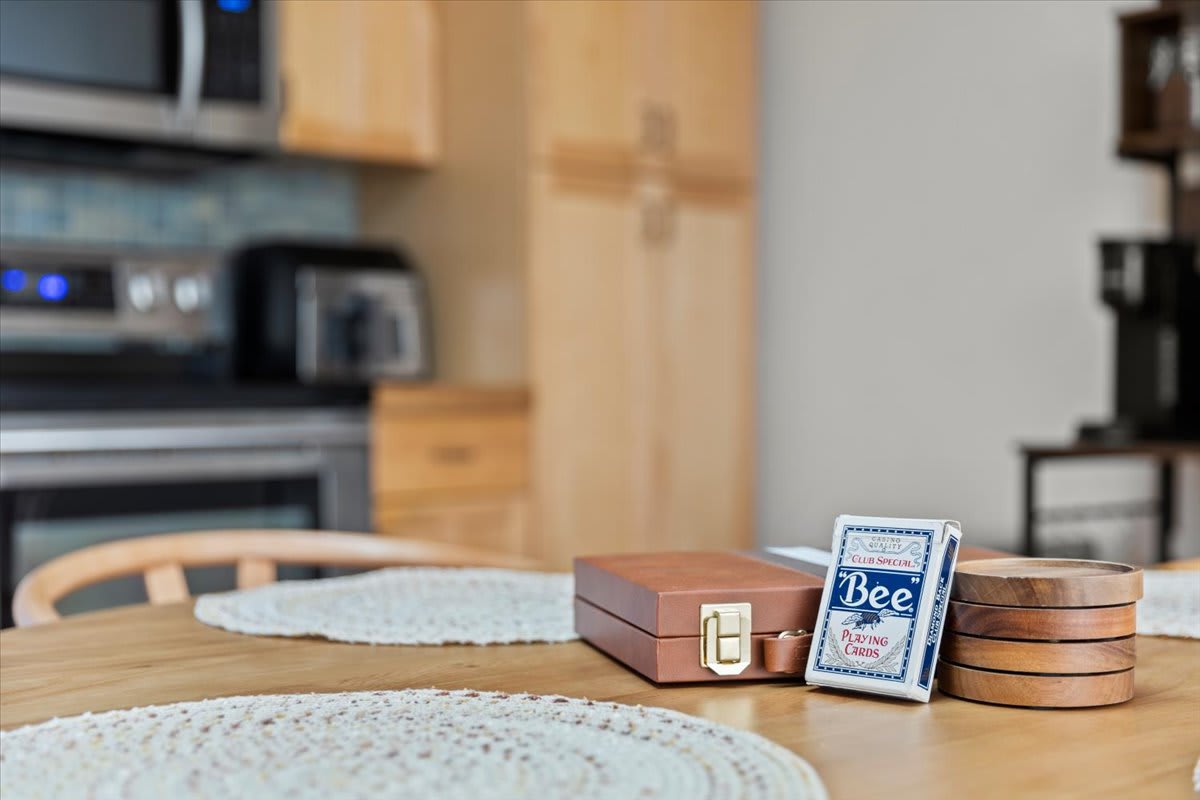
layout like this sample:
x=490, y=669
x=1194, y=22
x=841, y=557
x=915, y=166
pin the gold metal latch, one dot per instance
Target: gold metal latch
x=725, y=637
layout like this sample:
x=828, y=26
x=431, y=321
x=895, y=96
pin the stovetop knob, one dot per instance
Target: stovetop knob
x=142, y=291
x=191, y=293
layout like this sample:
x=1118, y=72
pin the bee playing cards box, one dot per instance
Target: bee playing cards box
x=884, y=602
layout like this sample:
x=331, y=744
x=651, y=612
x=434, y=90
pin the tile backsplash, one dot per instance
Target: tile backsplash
x=215, y=208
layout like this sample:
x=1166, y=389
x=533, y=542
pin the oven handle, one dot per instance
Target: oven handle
x=191, y=59
x=206, y=432
x=109, y=469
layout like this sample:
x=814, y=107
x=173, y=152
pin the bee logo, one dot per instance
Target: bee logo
x=868, y=619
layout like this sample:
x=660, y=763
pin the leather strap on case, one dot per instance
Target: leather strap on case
x=787, y=653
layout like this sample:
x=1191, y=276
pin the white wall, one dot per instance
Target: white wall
x=934, y=179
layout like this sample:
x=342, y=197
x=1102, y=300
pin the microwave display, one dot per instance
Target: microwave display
x=233, y=63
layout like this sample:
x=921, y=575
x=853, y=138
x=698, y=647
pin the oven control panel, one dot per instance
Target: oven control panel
x=48, y=287
x=63, y=297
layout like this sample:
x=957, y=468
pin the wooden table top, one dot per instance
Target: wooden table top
x=861, y=746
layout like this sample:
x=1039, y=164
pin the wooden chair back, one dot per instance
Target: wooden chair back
x=161, y=561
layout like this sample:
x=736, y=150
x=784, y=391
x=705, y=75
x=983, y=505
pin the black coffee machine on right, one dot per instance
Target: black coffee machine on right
x=1153, y=288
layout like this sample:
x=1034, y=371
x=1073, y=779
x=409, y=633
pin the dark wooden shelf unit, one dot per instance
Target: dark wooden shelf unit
x=1157, y=146
x=1154, y=124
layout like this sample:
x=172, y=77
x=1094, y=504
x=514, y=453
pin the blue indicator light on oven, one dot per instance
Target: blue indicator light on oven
x=233, y=6
x=13, y=280
x=52, y=287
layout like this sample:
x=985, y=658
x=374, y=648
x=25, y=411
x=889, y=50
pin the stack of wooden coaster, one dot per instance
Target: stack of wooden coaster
x=1049, y=633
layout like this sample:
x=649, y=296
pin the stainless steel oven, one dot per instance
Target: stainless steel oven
x=188, y=72
x=70, y=479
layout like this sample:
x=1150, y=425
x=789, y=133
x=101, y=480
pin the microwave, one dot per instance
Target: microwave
x=193, y=73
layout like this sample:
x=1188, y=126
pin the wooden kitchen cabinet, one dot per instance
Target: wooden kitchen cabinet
x=589, y=234
x=454, y=450
x=702, y=380
x=660, y=82
x=706, y=83
x=360, y=79
x=644, y=354
x=587, y=81
x=451, y=464
x=588, y=283
x=493, y=522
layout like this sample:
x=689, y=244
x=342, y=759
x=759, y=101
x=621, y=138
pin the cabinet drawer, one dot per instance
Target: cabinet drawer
x=497, y=524
x=431, y=452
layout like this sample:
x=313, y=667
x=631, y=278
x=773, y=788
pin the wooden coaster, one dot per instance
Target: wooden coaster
x=1060, y=658
x=1038, y=691
x=1046, y=582
x=1042, y=624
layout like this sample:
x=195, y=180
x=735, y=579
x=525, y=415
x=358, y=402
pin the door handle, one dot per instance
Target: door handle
x=658, y=221
x=649, y=127
x=669, y=128
x=658, y=129
x=191, y=60
x=654, y=130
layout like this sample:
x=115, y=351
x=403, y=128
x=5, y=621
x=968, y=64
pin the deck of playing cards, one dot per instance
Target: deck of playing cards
x=880, y=622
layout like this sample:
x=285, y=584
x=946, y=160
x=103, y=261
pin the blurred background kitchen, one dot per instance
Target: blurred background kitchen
x=570, y=277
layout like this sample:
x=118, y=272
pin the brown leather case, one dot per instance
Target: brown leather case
x=644, y=610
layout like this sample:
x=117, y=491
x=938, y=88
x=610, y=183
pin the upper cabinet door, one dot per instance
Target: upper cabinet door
x=588, y=87
x=360, y=79
x=706, y=83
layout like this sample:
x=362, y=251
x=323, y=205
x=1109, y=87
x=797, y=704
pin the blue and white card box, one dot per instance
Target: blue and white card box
x=883, y=607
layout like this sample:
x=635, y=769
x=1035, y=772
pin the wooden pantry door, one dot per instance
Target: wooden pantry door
x=703, y=301
x=589, y=361
x=705, y=77
x=587, y=73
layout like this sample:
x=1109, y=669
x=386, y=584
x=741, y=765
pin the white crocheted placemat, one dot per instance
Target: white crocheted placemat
x=406, y=605
x=414, y=743
x=1170, y=604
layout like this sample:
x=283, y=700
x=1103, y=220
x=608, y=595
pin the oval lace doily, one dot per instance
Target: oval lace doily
x=407, y=605
x=1170, y=604
x=413, y=743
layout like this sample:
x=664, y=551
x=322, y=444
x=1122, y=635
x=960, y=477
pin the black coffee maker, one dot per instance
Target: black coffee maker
x=1153, y=288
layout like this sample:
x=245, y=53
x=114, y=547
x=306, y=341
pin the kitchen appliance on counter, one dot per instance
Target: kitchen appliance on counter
x=131, y=399
x=329, y=314
x=1153, y=289
x=194, y=73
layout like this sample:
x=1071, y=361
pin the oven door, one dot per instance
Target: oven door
x=52, y=505
x=190, y=72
